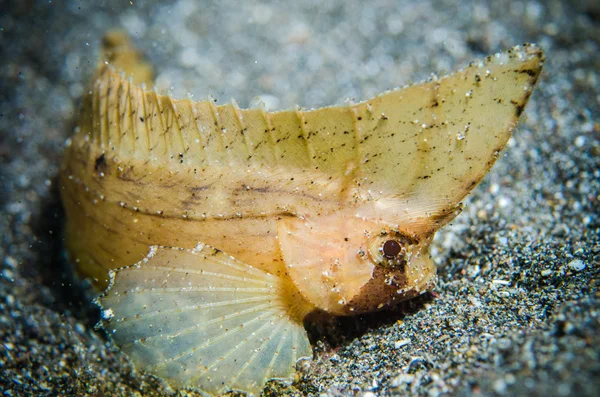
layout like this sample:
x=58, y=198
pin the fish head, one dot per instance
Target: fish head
x=345, y=263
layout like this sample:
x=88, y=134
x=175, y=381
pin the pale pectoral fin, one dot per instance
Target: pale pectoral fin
x=201, y=319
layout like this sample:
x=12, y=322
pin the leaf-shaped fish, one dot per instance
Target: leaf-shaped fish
x=273, y=215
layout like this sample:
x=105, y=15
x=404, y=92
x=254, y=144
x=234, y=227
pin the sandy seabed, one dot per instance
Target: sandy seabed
x=516, y=311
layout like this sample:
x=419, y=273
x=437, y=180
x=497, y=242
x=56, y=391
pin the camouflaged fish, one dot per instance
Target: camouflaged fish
x=218, y=229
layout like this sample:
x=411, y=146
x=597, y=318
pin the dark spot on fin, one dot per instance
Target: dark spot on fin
x=529, y=72
x=201, y=188
x=519, y=107
x=100, y=163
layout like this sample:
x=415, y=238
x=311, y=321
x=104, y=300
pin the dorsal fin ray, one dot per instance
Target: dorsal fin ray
x=426, y=145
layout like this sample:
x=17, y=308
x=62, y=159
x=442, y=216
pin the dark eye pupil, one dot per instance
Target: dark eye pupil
x=391, y=249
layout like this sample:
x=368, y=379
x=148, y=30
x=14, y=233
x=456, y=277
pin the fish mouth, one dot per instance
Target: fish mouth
x=421, y=288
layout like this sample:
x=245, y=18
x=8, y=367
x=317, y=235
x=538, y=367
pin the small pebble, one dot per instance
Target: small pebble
x=10, y=262
x=8, y=274
x=504, y=202
x=500, y=386
x=402, y=379
x=79, y=328
x=577, y=265
x=580, y=141
x=403, y=342
x=270, y=102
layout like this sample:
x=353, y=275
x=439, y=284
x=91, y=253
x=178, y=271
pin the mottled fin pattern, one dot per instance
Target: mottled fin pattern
x=436, y=139
x=200, y=319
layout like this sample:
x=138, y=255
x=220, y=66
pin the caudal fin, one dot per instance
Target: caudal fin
x=200, y=319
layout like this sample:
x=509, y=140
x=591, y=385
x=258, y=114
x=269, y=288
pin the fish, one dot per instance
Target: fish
x=212, y=231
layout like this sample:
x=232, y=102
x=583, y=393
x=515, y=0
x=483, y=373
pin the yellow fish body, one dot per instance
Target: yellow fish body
x=219, y=229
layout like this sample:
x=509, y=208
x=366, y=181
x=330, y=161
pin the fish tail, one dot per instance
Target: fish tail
x=201, y=319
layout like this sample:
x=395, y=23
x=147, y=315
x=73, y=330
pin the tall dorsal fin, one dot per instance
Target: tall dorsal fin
x=419, y=149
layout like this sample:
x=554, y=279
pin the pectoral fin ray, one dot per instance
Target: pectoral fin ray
x=228, y=331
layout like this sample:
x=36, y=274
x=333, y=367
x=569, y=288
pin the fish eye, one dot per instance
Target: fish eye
x=391, y=249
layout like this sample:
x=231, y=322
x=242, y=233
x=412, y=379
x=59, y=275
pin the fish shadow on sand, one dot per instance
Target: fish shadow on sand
x=330, y=333
x=62, y=290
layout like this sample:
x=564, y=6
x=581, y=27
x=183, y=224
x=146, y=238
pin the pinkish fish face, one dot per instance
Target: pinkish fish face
x=344, y=264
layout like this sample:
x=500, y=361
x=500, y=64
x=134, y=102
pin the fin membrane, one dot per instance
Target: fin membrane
x=200, y=319
x=118, y=51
